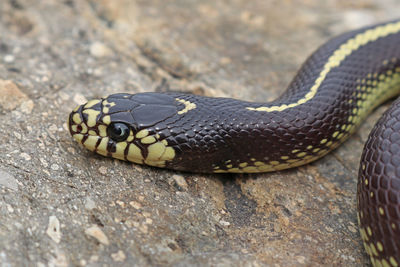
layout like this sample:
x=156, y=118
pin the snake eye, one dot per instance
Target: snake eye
x=118, y=131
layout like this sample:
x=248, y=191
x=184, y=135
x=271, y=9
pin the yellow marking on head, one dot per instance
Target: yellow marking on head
x=107, y=120
x=335, y=134
x=309, y=147
x=315, y=150
x=338, y=56
x=76, y=118
x=188, y=105
x=148, y=140
x=295, y=151
x=106, y=109
x=329, y=143
x=135, y=154
x=78, y=137
x=102, y=130
x=90, y=142
x=91, y=132
x=274, y=162
x=91, y=103
x=76, y=109
x=155, y=151
x=84, y=128
x=120, y=150
x=366, y=181
x=142, y=133
x=74, y=127
x=130, y=138
x=323, y=141
x=102, y=147
x=169, y=154
x=92, y=116
x=284, y=157
x=229, y=166
x=259, y=163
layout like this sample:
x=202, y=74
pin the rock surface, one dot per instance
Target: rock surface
x=61, y=205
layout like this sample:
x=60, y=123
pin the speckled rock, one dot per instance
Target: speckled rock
x=61, y=205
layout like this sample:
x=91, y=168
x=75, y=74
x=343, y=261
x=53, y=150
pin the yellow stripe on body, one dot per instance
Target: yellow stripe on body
x=336, y=58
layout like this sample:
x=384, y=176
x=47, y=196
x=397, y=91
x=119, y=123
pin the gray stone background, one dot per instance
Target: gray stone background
x=61, y=205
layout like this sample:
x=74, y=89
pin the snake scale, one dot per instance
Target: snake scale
x=332, y=93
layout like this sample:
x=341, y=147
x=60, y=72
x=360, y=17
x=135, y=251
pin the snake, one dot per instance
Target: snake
x=333, y=92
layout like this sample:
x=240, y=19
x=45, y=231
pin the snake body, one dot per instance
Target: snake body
x=332, y=93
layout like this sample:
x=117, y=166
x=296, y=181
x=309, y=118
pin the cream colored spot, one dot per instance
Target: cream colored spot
x=74, y=128
x=301, y=154
x=135, y=154
x=84, y=128
x=393, y=262
x=91, y=132
x=295, y=151
x=366, y=181
x=369, y=231
x=284, y=157
x=92, y=116
x=274, y=162
x=107, y=119
x=102, y=147
x=102, y=130
x=91, y=103
x=148, y=140
x=120, y=150
x=90, y=142
x=76, y=118
x=379, y=246
x=243, y=164
x=381, y=211
x=78, y=137
x=169, y=154
x=335, y=134
x=323, y=141
x=188, y=105
x=155, y=151
x=142, y=133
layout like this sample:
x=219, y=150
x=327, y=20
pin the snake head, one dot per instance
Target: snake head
x=122, y=126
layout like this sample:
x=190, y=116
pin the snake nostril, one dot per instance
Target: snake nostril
x=79, y=128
